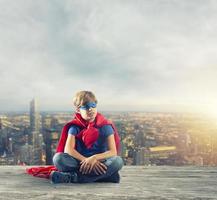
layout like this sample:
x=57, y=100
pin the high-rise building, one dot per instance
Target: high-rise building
x=34, y=123
x=37, y=140
x=51, y=141
x=34, y=116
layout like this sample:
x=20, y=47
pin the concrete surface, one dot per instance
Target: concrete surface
x=138, y=182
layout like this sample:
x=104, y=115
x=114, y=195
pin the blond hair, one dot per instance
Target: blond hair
x=83, y=97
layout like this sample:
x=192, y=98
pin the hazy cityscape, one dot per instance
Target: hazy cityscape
x=148, y=138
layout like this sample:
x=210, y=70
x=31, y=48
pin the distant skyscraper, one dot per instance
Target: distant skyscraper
x=37, y=141
x=1, y=126
x=34, y=116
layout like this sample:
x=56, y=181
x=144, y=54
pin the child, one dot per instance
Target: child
x=88, y=147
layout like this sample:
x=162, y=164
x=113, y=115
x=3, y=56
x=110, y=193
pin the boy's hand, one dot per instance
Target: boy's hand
x=99, y=168
x=87, y=165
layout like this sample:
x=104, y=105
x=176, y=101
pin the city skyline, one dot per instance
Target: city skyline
x=140, y=55
x=147, y=138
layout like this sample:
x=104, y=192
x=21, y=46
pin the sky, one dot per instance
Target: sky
x=158, y=55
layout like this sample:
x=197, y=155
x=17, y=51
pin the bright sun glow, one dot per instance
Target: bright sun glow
x=209, y=111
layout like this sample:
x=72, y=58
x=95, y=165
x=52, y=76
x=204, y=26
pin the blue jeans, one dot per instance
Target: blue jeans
x=66, y=163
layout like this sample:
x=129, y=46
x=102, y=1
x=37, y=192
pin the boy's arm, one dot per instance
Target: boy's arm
x=112, y=149
x=88, y=164
x=70, y=148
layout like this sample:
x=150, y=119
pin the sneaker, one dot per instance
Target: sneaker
x=114, y=178
x=63, y=177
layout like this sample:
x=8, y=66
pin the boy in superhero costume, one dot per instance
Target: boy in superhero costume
x=88, y=147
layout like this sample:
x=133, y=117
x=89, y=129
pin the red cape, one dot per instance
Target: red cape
x=100, y=120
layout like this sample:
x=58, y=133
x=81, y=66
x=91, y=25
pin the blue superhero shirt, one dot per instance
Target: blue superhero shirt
x=99, y=146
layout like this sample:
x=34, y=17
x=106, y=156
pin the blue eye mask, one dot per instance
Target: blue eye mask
x=88, y=105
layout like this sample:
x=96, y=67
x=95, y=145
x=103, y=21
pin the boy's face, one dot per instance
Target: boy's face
x=88, y=111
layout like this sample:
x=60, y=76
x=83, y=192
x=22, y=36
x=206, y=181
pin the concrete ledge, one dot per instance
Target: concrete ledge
x=138, y=182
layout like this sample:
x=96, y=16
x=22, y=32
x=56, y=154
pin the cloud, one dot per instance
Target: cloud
x=128, y=52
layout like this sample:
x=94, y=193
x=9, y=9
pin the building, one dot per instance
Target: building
x=37, y=139
x=51, y=141
x=34, y=116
